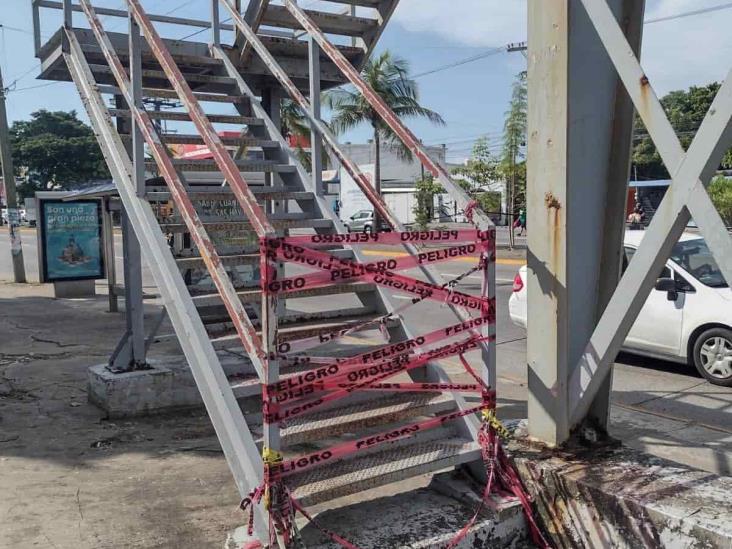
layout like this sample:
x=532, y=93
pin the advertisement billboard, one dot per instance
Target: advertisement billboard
x=71, y=240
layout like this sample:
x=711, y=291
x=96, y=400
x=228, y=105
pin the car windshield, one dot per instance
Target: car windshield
x=696, y=259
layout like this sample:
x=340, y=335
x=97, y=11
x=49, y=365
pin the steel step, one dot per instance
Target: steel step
x=353, y=418
x=379, y=468
x=191, y=78
x=361, y=3
x=329, y=23
x=291, y=333
x=271, y=193
x=225, y=226
x=172, y=94
x=191, y=139
x=217, y=319
x=255, y=296
x=185, y=165
x=185, y=117
x=294, y=48
x=231, y=260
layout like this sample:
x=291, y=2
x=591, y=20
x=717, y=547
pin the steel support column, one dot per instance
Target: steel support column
x=580, y=126
x=316, y=139
x=135, y=354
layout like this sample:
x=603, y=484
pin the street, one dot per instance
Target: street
x=660, y=407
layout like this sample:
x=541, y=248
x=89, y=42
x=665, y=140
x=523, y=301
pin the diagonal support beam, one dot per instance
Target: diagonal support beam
x=388, y=116
x=245, y=329
x=487, y=347
x=237, y=442
x=689, y=171
x=226, y=164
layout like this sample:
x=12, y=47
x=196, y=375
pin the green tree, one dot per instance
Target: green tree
x=686, y=110
x=425, y=191
x=294, y=124
x=720, y=191
x=514, y=144
x=388, y=76
x=480, y=171
x=55, y=150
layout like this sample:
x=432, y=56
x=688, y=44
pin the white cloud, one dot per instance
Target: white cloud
x=466, y=22
x=676, y=54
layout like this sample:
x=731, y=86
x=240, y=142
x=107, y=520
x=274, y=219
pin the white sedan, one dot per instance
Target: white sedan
x=687, y=318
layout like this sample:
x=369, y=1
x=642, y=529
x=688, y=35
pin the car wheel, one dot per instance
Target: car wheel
x=368, y=229
x=713, y=356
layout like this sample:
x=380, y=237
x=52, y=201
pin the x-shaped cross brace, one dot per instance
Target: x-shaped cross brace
x=686, y=197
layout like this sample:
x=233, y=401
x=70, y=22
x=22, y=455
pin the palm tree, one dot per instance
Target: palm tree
x=388, y=76
x=294, y=123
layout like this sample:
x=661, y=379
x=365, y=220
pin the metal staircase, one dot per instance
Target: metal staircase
x=204, y=251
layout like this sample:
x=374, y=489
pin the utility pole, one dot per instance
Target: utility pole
x=16, y=249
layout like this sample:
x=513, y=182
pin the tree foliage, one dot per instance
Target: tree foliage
x=513, y=158
x=425, y=191
x=480, y=171
x=686, y=110
x=720, y=191
x=388, y=76
x=55, y=150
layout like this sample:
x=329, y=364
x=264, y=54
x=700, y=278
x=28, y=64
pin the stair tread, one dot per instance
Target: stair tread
x=328, y=22
x=378, y=468
x=185, y=117
x=258, y=191
x=255, y=295
x=401, y=404
x=193, y=139
x=302, y=329
x=219, y=226
x=211, y=166
x=172, y=94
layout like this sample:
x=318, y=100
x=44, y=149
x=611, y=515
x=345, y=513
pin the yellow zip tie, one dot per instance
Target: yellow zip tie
x=270, y=456
x=490, y=417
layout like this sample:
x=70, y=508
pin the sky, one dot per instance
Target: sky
x=472, y=98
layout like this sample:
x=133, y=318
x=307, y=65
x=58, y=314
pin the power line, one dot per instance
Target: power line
x=520, y=46
x=488, y=53
x=688, y=13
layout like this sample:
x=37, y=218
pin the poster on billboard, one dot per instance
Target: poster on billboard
x=352, y=198
x=71, y=240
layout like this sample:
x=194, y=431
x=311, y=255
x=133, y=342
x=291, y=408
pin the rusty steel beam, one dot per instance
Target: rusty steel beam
x=246, y=331
x=487, y=347
x=392, y=120
x=268, y=59
x=221, y=155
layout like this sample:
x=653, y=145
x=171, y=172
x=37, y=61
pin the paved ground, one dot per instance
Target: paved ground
x=71, y=479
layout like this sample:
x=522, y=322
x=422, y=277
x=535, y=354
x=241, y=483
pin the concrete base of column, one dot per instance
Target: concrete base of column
x=167, y=386
x=74, y=288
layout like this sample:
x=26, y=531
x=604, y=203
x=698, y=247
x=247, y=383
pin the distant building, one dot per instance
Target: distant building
x=398, y=179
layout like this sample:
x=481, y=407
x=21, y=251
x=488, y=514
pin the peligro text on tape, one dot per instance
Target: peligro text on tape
x=357, y=271
x=367, y=375
x=302, y=463
x=389, y=280
x=389, y=352
x=290, y=395
x=458, y=235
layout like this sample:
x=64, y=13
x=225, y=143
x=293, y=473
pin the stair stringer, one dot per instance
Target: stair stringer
x=237, y=442
x=469, y=426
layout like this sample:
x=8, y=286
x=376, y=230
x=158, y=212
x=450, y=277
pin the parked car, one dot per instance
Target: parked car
x=361, y=221
x=687, y=317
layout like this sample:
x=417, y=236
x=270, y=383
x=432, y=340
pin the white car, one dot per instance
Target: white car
x=687, y=318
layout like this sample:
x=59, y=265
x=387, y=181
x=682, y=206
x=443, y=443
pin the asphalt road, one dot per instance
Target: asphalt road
x=660, y=407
